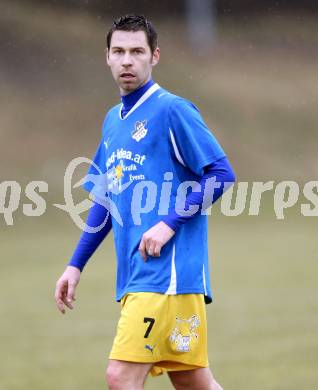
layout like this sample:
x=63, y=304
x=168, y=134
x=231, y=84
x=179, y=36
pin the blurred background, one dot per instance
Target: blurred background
x=251, y=68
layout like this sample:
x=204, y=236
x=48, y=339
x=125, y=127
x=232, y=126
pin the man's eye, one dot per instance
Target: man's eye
x=138, y=51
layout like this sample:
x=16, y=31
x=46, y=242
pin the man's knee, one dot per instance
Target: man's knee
x=114, y=377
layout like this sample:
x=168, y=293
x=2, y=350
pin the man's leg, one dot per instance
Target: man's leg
x=123, y=375
x=198, y=379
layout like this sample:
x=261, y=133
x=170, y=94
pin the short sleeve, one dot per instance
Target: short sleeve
x=193, y=143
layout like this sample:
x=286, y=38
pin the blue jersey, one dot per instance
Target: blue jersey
x=142, y=161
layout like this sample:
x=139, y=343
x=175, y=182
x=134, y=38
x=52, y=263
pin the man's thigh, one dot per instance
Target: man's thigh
x=121, y=372
x=197, y=379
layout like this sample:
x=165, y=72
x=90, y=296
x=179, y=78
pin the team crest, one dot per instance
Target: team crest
x=184, y=332
x=140, y=130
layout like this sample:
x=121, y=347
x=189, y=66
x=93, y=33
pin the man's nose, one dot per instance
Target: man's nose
x=127, y=59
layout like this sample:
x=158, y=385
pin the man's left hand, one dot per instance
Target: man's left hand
x=154, y=239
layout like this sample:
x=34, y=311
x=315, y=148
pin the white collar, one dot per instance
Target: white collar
x=144, y=97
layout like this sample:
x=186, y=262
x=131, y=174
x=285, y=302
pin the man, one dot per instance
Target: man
x=154, y=148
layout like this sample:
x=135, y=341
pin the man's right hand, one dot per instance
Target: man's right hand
x=65, y=288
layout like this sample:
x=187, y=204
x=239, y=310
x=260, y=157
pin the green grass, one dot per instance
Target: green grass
x=262, y=324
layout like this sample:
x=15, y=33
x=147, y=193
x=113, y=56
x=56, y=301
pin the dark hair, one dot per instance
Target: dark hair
x=134, y=23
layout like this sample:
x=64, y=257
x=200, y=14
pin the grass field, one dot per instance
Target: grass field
x=262, y=325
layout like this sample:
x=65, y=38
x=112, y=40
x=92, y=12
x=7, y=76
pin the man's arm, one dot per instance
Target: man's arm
x=87, y=245
x=224, y=177
x=155, y=238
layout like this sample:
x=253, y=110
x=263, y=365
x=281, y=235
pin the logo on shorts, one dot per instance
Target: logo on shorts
x=184, y=332
x=140, y=130
x=150, y=348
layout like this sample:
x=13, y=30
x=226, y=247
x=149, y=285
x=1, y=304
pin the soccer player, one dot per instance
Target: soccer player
x=156, y=170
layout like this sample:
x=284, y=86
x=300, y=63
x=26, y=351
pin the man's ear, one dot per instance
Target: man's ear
x=107, y=56
x=155, y=57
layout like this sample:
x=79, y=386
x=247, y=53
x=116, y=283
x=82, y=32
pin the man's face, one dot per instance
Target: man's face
x=130, y=59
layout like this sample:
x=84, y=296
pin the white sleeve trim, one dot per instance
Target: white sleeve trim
x=172, y=289
x=204, y=281
x=175, y=148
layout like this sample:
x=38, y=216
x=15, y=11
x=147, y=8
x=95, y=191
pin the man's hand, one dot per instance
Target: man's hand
x=65, y=288
x=154, y=239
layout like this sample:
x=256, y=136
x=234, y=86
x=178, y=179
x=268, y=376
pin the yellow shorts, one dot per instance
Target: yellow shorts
x=167, y=330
